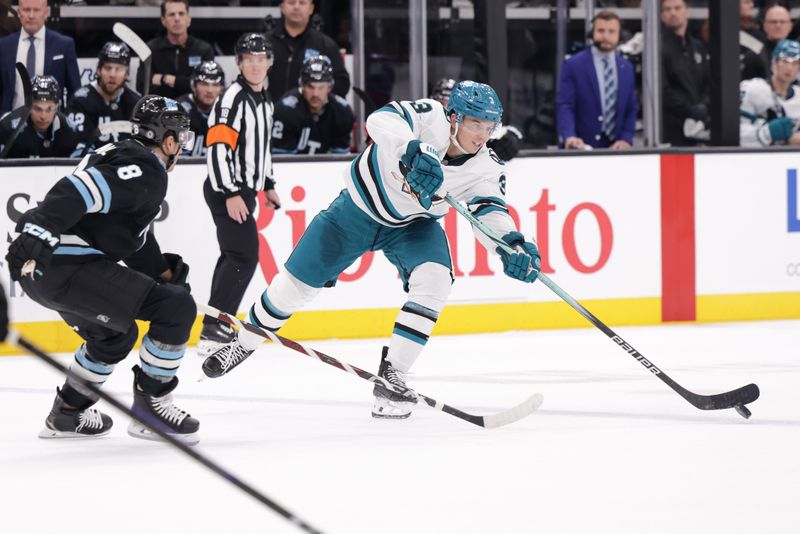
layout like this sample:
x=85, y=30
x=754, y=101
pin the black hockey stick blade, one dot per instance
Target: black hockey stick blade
x=495, y=420
x=721, y=401
x=27, y=89
x=154, y=426
x=369, y=104
x=736, y=398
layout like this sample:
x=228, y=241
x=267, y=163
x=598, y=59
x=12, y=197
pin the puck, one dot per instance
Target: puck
x=742, y=410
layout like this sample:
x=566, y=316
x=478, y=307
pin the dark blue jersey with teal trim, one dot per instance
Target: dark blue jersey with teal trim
x=106, y=205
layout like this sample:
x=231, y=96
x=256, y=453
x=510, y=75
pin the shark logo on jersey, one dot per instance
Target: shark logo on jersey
x=792, y=193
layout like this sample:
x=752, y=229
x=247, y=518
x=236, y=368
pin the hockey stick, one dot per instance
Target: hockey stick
x=499, y=419
x=736, y=398
x=156, y=428
x=21, y=113
x=111, y=127
x=130, y=38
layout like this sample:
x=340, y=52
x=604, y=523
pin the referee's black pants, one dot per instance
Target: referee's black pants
x=238, y=245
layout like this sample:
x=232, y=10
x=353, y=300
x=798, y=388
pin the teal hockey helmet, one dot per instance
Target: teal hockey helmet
x=473, y=99
x=787, y=49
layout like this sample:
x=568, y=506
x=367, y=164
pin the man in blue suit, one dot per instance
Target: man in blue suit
x=41, y=50
x=596, y=102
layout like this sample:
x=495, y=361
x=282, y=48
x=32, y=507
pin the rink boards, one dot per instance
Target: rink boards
x=638, y=239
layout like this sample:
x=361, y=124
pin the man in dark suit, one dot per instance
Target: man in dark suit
x=596, y=102
x=42, y=50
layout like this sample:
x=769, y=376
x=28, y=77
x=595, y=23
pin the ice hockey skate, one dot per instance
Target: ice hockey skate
x=66, y=421
x=225, y=358
x=213, y=337
x=388, y=404
x=159, y=409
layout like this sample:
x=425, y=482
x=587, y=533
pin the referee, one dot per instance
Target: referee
x=239, y=166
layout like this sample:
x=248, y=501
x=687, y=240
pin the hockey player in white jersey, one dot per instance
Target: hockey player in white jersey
x=770, y=109
x=390, y=203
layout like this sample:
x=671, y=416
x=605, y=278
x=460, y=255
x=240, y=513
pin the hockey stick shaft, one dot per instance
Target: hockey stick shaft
x=140, y=48
x=25, y=112
x=153, y=426
x=730, y=399
x=487, y=421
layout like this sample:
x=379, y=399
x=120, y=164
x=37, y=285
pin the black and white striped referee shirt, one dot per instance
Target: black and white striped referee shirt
x=239, y=140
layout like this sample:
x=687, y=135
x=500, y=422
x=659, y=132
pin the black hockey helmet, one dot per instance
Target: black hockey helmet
x=155, y=117
x=45, y=88
x=442, y=89
x=114, y=52
x=316, y=69
x=209, y=72
x=253, y=43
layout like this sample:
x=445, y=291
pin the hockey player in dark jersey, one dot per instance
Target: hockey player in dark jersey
x=106, y=99
x=65, y=258
x=208, y=82
x=47, y=133
x=311, y=119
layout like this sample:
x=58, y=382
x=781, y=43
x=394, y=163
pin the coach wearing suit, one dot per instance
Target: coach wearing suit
x=41, y=50
x=596, y=102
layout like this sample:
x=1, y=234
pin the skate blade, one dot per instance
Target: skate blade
x=383, y=408
x=207, y=348
x=48, y=433
x=136, y=430
x=377, y=415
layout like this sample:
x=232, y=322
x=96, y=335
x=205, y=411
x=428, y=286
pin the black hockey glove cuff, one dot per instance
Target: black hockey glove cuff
x=180, y=270
x=35, y=244
x=506, y=147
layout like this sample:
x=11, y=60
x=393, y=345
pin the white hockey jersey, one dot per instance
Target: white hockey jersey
x=759, y=104
x=377, y=185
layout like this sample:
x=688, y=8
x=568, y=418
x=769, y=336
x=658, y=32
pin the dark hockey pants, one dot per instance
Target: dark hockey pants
x=238, y=244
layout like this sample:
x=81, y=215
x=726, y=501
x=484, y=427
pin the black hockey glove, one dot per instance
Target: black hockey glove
x=34, y=243
x=507, y=146
x=180, y=270
x=524, y=264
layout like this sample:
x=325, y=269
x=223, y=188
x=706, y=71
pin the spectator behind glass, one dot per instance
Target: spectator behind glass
x=47, y=133
x=311, y=120
x=596, y=99
x=106, y=99
x=770, y=110
x=50, y=54
x=176, y=54
x=294, y=41
x=208, y=82
x=752, y=62
x=685, y=78
x=777, y=26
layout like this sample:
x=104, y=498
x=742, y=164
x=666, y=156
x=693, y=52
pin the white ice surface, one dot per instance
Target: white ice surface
x=611, y=450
